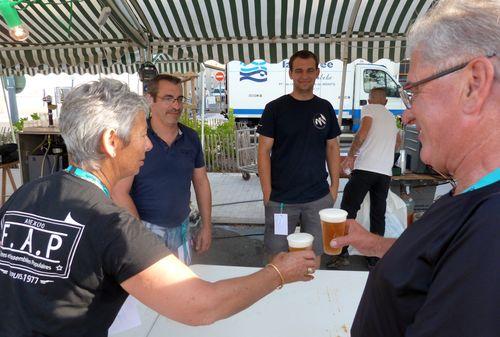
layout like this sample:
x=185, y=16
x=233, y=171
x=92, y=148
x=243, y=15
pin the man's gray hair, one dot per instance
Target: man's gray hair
x=90, y=109
x=455, y=31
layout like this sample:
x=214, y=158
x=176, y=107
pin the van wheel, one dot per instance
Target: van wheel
x=245, y=176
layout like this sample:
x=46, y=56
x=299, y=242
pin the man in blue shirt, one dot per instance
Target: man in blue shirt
x=159, y=194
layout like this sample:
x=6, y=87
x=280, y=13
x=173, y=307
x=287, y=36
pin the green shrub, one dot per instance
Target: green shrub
x=19, y=125
x=227, y=128
x=219, y=150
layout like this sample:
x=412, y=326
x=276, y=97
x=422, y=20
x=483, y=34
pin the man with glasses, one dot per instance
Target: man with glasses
x=160, y=193
x=441, y=277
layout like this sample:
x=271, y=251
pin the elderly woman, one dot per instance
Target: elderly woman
x=69, y=256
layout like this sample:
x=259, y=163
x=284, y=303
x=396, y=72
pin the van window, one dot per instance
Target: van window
x=218, y=91
x=378, y=78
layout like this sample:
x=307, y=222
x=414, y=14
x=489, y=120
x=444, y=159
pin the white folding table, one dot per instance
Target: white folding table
x=324, y=306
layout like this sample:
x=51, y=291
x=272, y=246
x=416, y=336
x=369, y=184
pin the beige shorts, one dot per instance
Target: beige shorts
x=306, y=215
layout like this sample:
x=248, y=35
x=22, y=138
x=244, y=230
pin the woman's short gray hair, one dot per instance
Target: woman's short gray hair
x=455, y=31
x=90, y=109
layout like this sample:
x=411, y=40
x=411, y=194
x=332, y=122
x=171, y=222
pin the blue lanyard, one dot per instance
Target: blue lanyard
x=488, y=179
x=85, y=175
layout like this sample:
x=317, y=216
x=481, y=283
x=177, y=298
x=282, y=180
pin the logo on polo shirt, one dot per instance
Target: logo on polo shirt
x=319, y=121
x=36, y=249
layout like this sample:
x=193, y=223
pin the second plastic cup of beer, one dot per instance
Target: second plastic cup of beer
x=333, y=225
x=299, y=241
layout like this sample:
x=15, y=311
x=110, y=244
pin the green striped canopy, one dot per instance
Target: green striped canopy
x=65, y=36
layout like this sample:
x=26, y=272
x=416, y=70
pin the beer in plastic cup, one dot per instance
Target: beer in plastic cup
x=299, y=241
x=333, y=225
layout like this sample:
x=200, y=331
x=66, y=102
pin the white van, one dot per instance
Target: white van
x=251, y=86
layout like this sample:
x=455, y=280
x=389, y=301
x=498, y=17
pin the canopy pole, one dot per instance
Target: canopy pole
x=203, y=106
x=194, y=102
x=345, y=54
x=342, y=88
x=8, y=109
x=123, y=16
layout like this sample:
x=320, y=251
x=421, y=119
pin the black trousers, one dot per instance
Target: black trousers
x=360, y=183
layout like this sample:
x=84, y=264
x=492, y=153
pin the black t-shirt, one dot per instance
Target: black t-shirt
x=65, y=248
x=300, y=130
x=442, y=276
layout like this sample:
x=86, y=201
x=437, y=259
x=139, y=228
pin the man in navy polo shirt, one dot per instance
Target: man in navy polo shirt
x=159, y=194
x=297, y=141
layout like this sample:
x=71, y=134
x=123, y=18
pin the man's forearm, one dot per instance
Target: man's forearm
x=333, y=164
x=368, y=244
x=334, y=186
x=382, y=245
x=397, y=146
x=355, y=146
x=264, y=169
x=204, y=201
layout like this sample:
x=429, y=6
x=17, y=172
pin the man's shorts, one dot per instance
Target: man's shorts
x=177, y=239
x=306, y=214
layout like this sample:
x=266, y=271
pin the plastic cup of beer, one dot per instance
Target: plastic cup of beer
x=299, y=241
x=333, y=225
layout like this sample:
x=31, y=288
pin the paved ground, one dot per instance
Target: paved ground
x=234, y=200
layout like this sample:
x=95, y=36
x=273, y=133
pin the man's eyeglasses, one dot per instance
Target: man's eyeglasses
x=170, y=99
x=406, y=91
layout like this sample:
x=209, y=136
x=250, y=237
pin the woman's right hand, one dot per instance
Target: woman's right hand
x=296, y=266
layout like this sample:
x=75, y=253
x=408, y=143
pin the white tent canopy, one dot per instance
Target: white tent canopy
x=65, y=36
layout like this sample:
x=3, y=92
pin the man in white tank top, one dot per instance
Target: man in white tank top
x=370, y=159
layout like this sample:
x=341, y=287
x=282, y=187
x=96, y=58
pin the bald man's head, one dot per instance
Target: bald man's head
x=377, y=96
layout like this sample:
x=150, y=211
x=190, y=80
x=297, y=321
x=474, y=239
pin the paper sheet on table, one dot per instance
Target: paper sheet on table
x=127, y=318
